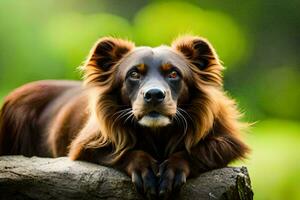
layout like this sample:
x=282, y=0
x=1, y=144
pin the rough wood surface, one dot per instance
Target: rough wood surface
x=60, y=178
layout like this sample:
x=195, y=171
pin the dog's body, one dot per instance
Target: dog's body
x=41, y=118
x=143, y=110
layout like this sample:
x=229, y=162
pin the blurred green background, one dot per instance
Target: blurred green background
x=258, y=41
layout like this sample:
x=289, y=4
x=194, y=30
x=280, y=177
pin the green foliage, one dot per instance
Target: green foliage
x=278, y=86
x=70, y=36
x=50, y=42
x=274, y=162
x=172, y=19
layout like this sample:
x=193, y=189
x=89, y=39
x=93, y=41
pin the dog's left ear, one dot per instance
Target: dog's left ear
x=199, y=52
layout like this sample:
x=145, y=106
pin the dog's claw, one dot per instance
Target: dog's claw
x=145, y=183
x=171, y=180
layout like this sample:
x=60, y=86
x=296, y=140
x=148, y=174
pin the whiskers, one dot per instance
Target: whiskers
x=182, y=118
x=123, y=115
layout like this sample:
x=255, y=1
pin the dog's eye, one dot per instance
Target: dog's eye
x=173, y=74
x=134, y=75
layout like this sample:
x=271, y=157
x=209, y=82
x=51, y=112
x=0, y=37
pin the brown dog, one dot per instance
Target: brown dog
x=147, y=111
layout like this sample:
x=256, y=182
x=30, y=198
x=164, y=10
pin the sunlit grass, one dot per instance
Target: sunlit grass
x=274, y=164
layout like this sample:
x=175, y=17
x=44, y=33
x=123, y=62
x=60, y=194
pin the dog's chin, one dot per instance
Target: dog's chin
x=154, y=120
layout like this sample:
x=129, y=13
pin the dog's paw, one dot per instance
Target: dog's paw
x=172, y=175
x=143, y=169
x=145, y=182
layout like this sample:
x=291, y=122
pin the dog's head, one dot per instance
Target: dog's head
x=153, y=82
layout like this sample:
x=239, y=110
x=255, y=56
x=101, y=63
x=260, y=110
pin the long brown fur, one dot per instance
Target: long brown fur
x=58, y=118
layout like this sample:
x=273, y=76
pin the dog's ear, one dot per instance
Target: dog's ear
x=199, y=52
x=107, y=52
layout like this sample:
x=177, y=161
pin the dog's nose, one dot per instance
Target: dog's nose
x=154, y=96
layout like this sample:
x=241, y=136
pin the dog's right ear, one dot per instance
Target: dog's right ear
x=107, y=52
x=103, y=57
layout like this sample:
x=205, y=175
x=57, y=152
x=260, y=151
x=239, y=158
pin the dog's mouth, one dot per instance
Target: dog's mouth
x=154, y=119
x=153, y=114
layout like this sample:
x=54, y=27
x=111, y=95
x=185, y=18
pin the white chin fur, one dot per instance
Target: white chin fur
x=155, y=121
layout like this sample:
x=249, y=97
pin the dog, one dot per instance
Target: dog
x=159, y=114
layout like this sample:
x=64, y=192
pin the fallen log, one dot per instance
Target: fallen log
x=61, y=178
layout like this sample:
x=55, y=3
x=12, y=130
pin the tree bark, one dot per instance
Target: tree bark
x=61, y=178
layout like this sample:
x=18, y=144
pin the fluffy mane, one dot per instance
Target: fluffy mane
x=209, y=111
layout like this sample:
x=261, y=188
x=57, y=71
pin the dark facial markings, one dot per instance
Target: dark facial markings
x=171, y=73
x=166, y=80
x=152, y=68
x=135, y=73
